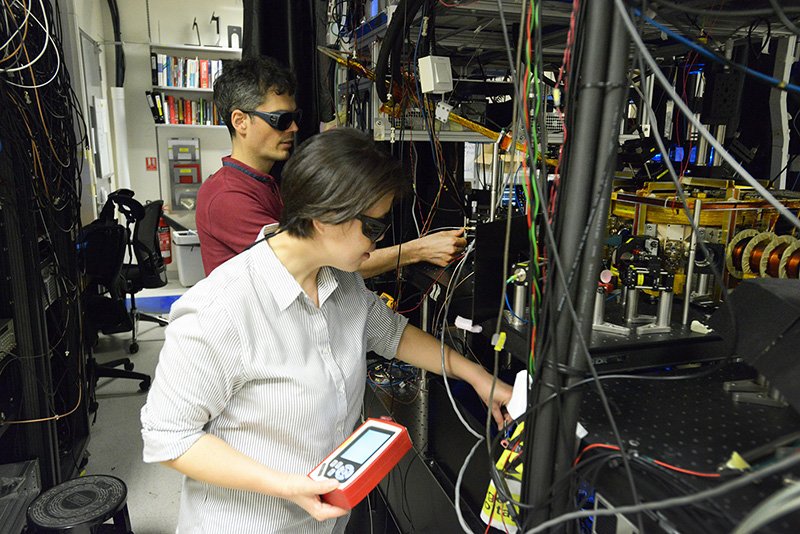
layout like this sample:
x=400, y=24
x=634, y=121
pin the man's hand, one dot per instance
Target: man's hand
x=439, y=248
x=306, y=492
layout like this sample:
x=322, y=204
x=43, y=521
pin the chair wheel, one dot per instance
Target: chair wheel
x=144, y=385
x=128, y=366
x=134, y=348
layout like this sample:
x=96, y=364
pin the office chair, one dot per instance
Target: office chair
x=101, y=252
x=149, y=271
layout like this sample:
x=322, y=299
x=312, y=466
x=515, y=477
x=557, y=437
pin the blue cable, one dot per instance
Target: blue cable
x=516, y=197
x=512, y=311
x=710, y=55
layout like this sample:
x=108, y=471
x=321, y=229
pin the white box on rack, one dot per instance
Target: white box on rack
x=187, y=256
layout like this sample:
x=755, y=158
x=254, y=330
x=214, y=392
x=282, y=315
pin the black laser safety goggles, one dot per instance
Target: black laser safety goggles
x=280, y=120
x=374, y=228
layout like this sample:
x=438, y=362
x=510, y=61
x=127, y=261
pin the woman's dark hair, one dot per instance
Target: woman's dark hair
x=335, y=176
x=245, y=84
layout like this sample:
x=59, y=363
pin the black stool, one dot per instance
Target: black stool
x=81, y=506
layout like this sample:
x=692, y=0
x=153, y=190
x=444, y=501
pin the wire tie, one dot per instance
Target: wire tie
x=499, y=340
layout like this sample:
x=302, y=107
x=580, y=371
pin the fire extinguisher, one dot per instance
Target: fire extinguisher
x=164, y=241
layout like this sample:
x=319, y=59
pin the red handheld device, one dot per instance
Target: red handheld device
x=362, y=461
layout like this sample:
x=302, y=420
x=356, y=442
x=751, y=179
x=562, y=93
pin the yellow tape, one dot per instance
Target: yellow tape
x=495, y=512
x=737, y=462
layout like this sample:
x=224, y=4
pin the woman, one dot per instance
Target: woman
x=263, y=368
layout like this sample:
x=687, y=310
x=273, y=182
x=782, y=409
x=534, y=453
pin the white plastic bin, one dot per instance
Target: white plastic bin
x=187, y=256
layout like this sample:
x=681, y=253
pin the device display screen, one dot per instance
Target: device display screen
x=365, y=446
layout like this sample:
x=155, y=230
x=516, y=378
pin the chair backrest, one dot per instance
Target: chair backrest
x=102, y=253
x=128, y=206
x=152, y=269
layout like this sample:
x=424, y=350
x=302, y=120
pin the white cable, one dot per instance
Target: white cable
x=55, y=49
x=444, y=371
x=46, y=28
x=696, y=122
x=458, y=487
x=53, y=77
x=779, y=503
x=480, y=440
x=21, y=25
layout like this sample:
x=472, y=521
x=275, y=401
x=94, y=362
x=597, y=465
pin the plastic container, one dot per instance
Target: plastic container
x=187, y=255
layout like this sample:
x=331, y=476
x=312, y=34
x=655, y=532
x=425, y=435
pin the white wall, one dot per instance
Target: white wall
x=171, y=20
x=86, y=16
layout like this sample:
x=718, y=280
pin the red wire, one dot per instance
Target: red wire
x=662, y=464
x=491, y=513
x=695, y=473
x=426, y=293
x=564, y=68
x=594, y=446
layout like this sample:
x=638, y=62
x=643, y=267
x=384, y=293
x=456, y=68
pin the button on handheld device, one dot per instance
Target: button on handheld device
x=362, y=460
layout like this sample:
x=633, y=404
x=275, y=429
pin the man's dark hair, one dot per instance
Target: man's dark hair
x=245, y=84
x=335, y=176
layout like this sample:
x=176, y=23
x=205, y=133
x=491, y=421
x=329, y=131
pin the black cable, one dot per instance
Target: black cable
x=39, y=139
x=713, y=368
x=404, y=14
x=118, y=51
x=765, y=43
x=778, y=174
x=550, y=239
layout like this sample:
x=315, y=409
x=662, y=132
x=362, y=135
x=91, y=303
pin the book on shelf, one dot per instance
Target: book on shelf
x=171, y=109
x=204, y=74
x=184, y=72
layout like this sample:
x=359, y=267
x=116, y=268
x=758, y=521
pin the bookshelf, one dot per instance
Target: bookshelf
x=183, y=89
x=215, y=51
x=182, y=78
x=204, y=126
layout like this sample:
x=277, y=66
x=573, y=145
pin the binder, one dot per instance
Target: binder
x=160, y=107
x=151, y=102
x=154, y=68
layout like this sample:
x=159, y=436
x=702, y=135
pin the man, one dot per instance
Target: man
x=255, y=97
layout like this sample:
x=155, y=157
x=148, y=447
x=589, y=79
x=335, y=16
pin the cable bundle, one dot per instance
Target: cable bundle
x=42, y=142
